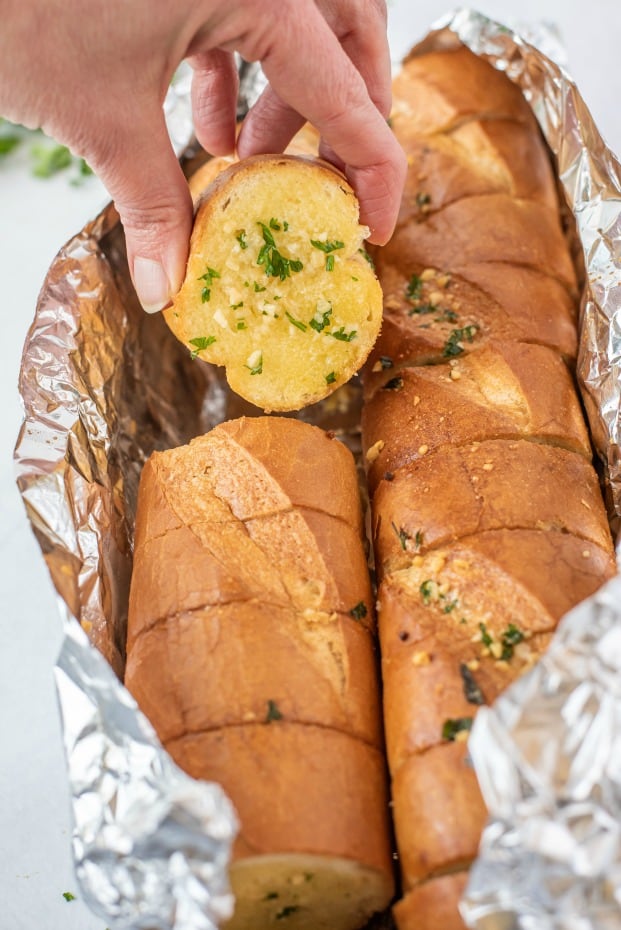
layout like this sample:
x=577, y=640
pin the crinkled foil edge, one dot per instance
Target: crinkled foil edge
x=100, y=394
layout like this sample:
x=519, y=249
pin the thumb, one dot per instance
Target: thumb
x=142, y=175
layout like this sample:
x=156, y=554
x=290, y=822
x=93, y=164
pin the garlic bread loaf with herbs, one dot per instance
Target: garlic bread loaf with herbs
x=278, y=288
x=251, y=649
x=487, y=517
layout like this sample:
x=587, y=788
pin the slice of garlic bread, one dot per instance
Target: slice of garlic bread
x=278, y=288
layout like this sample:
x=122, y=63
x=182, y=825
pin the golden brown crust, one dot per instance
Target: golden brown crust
x=477, y=157
x=316, y=669
x=462, y=490
x=432, y=905
x=487, y=228
x=227, y=516
x=523, y=306
x=499, y=392
x=446, y=678
x=527, y=577
x=250, y=649
x=438, y=90
x=297, y=789
x=487, y=518
x=438, y=812
x=328, y=483
x=250, y=467
x=292, y=559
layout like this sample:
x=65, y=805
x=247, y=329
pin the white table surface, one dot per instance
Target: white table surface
x=37, y=217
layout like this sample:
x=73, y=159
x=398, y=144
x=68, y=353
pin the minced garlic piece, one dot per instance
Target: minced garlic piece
x=374, y=450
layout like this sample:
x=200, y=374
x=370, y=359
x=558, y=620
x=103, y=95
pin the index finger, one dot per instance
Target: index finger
x=307, y=67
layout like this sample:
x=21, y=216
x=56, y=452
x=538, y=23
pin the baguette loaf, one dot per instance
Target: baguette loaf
x=251, y=649
x=488, y=522
x=277, y=287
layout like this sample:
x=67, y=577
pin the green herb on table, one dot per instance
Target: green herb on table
x=49, y=160
x=68, y=896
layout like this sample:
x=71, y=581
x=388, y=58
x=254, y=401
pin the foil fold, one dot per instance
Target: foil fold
x=104, y=385
x=151, y=845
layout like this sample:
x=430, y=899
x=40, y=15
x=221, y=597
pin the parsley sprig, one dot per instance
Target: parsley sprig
x=276, y=265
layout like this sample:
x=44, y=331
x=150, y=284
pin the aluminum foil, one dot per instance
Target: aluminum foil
x=103, y=385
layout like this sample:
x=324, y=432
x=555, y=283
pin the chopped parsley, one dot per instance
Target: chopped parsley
x=208, y=277
x=321, y=319
x=402, y=536
x=359, y=611
x=240, y=235
x=68, y=896
x=257, y=287
x=423, y=308
x=272, y=712
x=472, y=692
x=447, y=316
x=418, y=539
x=237, y=306
x=330, y=245
x=510, y=639
x=286, y=911
x=426, y=590
x=486, y=638
x=330, y=377
x=241, y=324
x=453, y=726
x=8, y=143
x=395, y=384
x=200, y=343
x=414, y=287
x=453, y=345
x=275, y=264
x=367, y=257
x=450, y=606
x=342, y=336
x=298, y=323
x=49, y=160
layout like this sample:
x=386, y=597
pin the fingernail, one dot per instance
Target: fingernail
x=152, y=284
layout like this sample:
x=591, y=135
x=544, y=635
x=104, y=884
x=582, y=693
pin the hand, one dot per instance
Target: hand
x=94, y=77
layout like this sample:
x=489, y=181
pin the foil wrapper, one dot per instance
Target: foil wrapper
x=104, y=385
